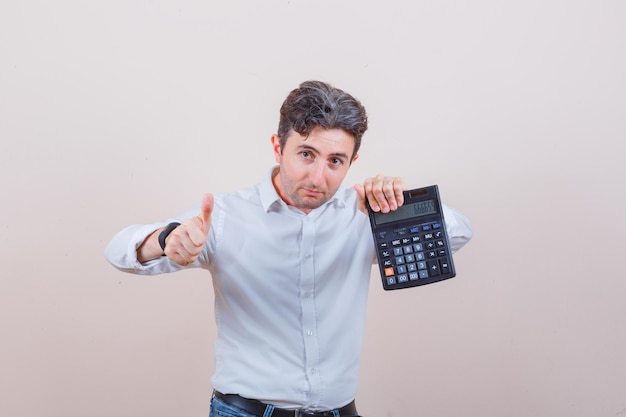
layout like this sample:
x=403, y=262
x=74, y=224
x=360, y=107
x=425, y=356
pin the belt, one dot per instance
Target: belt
x=258, y=408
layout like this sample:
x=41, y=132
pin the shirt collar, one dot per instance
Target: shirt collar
x=269, y=195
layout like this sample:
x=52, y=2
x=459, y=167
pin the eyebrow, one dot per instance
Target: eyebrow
x=311, y=148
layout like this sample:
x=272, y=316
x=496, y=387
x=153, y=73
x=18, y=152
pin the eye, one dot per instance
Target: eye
x=306, y=154
x=336, y=161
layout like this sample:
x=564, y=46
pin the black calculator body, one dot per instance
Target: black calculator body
x=412, y=242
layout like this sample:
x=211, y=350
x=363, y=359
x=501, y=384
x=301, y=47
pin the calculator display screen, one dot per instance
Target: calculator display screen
x=407, y=211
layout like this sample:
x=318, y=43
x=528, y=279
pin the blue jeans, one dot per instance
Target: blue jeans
x=220, y=409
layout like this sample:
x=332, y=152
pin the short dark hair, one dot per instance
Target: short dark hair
x=316, y=103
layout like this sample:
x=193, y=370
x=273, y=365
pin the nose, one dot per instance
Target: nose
x=317, y=173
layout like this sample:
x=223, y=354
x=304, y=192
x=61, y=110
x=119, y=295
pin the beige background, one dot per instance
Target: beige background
x=121, y=112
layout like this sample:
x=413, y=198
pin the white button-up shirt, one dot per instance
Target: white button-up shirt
x=290, y=292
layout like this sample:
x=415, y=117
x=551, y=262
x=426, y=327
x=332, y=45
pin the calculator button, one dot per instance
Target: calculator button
x=423, y=273
x=421, y=265
x=440, y=244
x=396, y=242
x=407, y=249
x=399, y=260
x=401, y=269
x=413, y=276
x=389, y=271
x=445, y=266
x=420, y=256
x=432, y=254
x=409, y=258
x=430, y=245
x=426, y=227
x=412, y=267
x=436, y=225
x=428, y=236
x=387, y=263
x=406, y=240
x=433, y=269
x=403, y=278
x=415, y=239
x=383, y=245
x=398, y=251
x=414, y=229
x=385, y=254
x=391, y=280
x=438, y=234
x=418, y=247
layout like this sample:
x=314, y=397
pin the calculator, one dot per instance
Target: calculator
x=412, y=242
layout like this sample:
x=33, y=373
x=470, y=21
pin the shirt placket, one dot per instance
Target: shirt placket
x=309, y=314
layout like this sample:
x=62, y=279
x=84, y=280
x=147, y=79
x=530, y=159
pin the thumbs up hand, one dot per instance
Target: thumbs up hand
x=185, y=243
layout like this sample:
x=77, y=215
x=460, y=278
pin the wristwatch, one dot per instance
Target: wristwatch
x=165, y=233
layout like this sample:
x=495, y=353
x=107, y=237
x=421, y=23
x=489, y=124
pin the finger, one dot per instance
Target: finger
x=360, y=191
x=385, y=193
x=179, y=240
x=368, y=187
x=182, y=249
x=393, y=189
x=390, y=194
x=180, y=259
x=399, y=188
x=192, y=244
x=382, y=190
x=195, y=235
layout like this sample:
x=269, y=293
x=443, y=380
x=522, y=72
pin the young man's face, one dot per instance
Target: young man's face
x=312, y=168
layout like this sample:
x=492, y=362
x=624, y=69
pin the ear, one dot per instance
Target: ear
x=276, y=146
x=354, y=159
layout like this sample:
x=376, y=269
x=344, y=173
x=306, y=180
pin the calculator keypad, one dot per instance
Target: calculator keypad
x=413, y=253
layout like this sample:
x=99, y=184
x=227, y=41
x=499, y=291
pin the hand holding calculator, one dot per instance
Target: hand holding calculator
x=411, y=242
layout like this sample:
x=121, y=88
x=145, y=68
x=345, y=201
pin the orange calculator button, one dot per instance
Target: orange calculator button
x=388, y=272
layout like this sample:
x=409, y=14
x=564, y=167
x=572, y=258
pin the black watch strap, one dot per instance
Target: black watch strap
x=165, y=233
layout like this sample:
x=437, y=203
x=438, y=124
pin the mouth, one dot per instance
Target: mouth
x=308, y=192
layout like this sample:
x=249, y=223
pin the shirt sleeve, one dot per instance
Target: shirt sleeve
x=458, y=227
x=121, y=252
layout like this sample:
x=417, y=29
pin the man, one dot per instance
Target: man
x=291, y=260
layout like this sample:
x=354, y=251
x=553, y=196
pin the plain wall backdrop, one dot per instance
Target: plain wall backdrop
x=120, y=112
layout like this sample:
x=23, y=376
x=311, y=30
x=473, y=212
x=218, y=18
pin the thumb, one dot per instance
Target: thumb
x=205, y=211
x=360, y=190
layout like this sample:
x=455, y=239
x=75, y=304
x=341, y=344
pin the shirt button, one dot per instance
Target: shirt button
x=309, y=332
x=312, y=370
x=307, y=255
